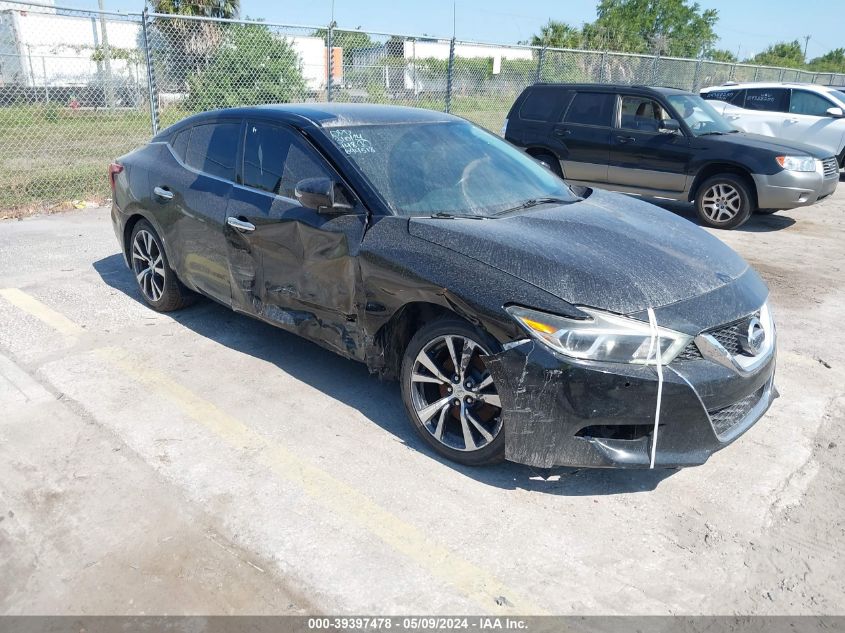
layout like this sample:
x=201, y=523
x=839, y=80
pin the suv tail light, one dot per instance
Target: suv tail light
x=114, y=170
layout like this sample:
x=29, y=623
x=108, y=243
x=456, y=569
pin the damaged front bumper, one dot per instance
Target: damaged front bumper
x=560, y=412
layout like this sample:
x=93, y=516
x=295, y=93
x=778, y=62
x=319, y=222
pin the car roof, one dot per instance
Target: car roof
x=326, y=115
x=741, y=85
x=615, y=88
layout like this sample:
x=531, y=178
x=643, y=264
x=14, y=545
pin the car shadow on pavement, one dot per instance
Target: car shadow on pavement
x=757, y=223
x=349, y=382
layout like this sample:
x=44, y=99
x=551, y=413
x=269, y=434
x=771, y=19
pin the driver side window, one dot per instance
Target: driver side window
x=641, y=114
x=804, y=102
x=275, y=159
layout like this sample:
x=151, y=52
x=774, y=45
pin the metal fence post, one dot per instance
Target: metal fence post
x=330, y=60
x=109, y=83
x=414, y=74
x=541, y=57
x=151, y=77
x=46, y=80
x=696, y=78
x=733, y=72
x=782, y=73
x=449, y=73
x=654, y=62
x=602, y=70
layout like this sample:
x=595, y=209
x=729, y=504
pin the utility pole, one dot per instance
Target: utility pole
x=108, y=85
x=806, y=42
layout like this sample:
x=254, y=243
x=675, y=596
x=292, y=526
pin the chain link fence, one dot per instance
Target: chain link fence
x=79, y=88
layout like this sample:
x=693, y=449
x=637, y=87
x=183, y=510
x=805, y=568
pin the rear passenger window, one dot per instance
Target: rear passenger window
x=768, y=99
x=275, y=159
x=591, y=108
x=180, y=143
x=804, y=102
x=734, y=97
x=540, y=104
x=213, y=147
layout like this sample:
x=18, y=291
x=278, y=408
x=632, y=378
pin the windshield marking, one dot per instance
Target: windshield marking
x=352, y=142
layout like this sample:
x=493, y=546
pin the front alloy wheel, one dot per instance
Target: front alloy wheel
x=451, y=396
x=724, y=202
x=721, y=203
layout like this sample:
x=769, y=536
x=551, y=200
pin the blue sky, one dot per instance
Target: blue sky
x=748, y=25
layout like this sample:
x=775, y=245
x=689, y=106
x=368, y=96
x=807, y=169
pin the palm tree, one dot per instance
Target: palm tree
x=190, y=43
x=199, y=8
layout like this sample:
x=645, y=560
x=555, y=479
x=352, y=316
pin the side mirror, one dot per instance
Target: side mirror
x=320, y=194
x=669, y=126
x=836, y=113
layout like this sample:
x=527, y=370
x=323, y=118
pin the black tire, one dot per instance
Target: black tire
x=551, y=162
x=172, y=295
x=707, y=201
x=491, y=452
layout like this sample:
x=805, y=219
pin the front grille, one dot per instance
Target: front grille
x=728, y=417
x=690, y=352
x=831, y=167
x=729, y=336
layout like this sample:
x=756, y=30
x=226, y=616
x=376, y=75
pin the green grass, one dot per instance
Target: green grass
x=50, y=154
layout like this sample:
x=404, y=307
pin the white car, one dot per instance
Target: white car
x=807, y=113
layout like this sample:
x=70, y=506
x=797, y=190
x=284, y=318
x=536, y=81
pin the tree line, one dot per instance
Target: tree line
x=677, y=28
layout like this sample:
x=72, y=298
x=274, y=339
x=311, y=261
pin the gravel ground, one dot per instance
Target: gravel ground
x=202, y=462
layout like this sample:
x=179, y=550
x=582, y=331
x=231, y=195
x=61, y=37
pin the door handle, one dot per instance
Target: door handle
x=733, y=117
x=792, y=120
x=563, y=132
x=626, y=139
x=163, y=193
x=240, y=225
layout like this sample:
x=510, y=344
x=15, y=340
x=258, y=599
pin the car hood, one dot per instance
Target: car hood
x=609, y=251
x=745, y=140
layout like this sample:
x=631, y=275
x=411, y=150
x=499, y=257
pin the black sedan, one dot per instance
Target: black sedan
x=523, y=321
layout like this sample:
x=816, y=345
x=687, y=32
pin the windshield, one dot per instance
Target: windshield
x=450, y=168
x=699, y=115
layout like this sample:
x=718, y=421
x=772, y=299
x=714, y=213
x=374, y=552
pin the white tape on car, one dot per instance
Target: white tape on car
x=655, y=344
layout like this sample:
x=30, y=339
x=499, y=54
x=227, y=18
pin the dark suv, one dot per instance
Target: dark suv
x=666, y=143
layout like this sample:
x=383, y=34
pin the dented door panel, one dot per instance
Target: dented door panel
x=297, y=268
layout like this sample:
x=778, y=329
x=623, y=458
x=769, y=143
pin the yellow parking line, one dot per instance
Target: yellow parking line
x=335, y=495
x=47, y=315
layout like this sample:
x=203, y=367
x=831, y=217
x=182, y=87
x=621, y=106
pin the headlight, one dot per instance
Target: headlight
x=797, y=163
x=602, y=337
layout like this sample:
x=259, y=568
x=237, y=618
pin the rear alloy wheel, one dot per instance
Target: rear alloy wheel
x=723, y=202
x=449, y=394
x=157, y=282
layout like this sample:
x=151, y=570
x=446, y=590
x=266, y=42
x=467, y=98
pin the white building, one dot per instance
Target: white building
x=46, y=49
x=46, y=6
